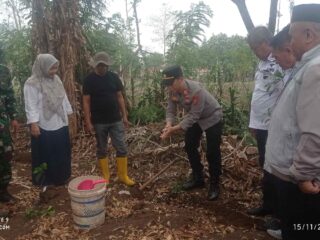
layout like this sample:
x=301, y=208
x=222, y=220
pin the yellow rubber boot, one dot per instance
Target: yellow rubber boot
x=104, y=166
x=122, y=164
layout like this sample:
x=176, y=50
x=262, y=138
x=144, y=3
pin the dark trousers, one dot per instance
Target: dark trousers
x=52, y=148
x=213, y=154
x=270, y=198
x=5, y=169
x=5, y=157
x=299, y=212
x=261, y=137
x=268, y=188
x=116, y=132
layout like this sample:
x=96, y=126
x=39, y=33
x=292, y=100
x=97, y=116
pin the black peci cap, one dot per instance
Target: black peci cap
x=281, y=38
x=306, y=13
x=170, y=74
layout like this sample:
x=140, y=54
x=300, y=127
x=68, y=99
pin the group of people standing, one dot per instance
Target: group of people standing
x=47, y=109
x=284, y=119
x=288, y=135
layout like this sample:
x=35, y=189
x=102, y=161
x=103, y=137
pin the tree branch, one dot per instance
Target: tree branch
x=243, y=10
x=273, y=16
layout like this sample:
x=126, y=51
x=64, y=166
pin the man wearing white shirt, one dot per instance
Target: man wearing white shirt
x=268, y=86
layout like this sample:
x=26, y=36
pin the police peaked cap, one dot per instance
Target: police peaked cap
x=172, y=72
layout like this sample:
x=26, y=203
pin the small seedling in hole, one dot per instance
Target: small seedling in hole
x=177, y=188
x=40, y=176
x=39, y=212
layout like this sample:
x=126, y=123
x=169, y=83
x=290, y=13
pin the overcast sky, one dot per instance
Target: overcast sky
x=226, y=18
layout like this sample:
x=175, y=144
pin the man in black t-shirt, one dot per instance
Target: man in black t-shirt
x=104, y=107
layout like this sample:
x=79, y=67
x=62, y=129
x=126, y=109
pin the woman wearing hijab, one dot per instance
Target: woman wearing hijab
x=47, y=108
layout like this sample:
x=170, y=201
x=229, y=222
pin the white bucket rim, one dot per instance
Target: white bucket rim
x=98, y=189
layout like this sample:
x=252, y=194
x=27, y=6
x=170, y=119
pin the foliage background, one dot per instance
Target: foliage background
x=224, y=65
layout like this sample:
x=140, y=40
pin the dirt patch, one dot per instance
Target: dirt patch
x=160, y=211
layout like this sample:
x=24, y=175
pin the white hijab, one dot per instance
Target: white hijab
x=51, y=88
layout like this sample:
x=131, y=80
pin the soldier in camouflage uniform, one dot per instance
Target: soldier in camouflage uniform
x=7, y=115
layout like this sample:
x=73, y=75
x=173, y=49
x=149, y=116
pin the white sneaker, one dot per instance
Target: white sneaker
x=275, y=233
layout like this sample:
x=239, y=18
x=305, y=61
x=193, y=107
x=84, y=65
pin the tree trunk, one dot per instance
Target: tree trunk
x=56, y=29
x=134, y=5
x=291, y=5
x=132, y=87
x=243, y=10
x=70, y=41
x=40, y=28
x=273, y=16
x=15, y=12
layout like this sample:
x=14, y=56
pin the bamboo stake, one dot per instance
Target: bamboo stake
x=235, y=150
x=163, y=169
x=157, y=175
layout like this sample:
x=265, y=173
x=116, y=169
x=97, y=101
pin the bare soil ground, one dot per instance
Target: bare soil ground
x=161, y=211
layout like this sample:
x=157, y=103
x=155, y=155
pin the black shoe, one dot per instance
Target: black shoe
x=214, y=191
x=192, y=184
x=6, y=197
x=272, y=223
x=196, y=181
x=259, y=211
x=4, y=213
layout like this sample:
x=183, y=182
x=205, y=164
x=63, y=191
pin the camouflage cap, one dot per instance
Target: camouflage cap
x=101, y=57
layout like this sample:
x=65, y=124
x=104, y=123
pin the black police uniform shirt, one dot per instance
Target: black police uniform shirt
x=104, y=103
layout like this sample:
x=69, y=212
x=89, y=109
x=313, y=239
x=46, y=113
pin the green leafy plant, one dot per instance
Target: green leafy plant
x=146, y=114
x=39, y=212
x=177, y=188
x=235, y=120
x=39, y=172
x=150, y=106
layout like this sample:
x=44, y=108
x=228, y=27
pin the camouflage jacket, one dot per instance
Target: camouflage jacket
x=7, y=104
